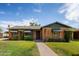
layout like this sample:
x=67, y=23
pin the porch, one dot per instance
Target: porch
x=24, y=35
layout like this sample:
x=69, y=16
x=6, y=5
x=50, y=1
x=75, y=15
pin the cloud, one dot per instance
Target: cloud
x=20, y=8
x=8, y=4
x=38, y=10
x=23, y=22
x=39, y=7
x=70, y=11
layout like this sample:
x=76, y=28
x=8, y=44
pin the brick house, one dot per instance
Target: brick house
x=56, y=31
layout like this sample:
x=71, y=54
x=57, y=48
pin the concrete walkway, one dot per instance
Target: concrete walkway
x=45, y=50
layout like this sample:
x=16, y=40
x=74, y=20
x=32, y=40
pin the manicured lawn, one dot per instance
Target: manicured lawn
x=18, y=48
x=63, y=48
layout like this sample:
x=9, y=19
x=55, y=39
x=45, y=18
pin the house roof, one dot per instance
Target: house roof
x=59, y=24
x=26, y=27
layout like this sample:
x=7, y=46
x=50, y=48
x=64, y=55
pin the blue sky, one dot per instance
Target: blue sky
x=23, y=13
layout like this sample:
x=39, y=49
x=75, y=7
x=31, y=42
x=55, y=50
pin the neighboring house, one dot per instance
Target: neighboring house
x=5, y=34
x=55, y=31
x=1, y=35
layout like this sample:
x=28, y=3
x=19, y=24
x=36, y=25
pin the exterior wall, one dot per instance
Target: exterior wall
x=62, y=34
x=76, y=35
x=46, y=33
x=58, y=35
x=1, y=35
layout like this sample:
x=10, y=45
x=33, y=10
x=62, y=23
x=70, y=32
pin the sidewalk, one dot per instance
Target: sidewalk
x=45, y=50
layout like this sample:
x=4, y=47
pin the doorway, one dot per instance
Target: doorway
x=38, y=36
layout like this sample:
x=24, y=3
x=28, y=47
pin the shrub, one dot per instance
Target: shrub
x=68, y=36
x=50, y=39
x=28, y=37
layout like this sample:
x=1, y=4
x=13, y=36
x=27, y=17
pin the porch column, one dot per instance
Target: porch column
x=43, y=34
x=23, y=34
x=18, y=35
x=34, y=35
x=72, y=36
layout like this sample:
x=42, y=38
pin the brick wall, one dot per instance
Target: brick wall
x=46, y=33
x=62, y=34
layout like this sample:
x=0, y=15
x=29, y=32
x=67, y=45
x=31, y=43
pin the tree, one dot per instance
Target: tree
x=34, y=24
x=0, y=29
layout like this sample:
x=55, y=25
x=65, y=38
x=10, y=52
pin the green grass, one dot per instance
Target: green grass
x=18, y=48
x=63, y=48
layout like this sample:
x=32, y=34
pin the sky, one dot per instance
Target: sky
x=19, y=14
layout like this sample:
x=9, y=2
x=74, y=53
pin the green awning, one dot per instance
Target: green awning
x=70, y=29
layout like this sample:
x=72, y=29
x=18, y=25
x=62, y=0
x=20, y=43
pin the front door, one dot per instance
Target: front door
x=38, y=35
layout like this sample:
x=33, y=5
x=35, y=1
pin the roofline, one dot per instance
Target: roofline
x=24, y=29
x=59, y=23
x=12, y=28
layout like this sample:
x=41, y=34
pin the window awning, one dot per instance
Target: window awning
x=27, y=31
x=57, y=30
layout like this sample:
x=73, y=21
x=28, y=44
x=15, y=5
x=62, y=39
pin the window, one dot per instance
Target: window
x=56, y=34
